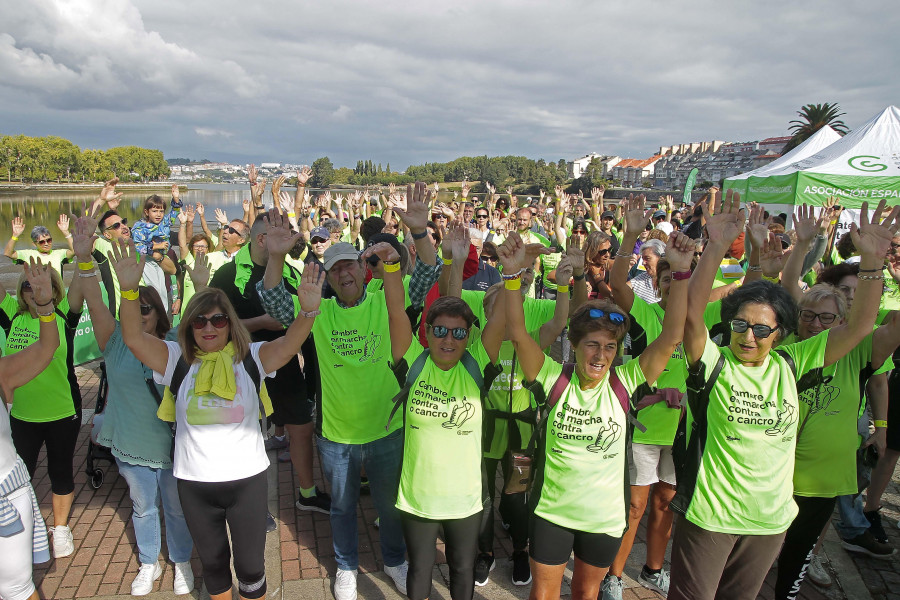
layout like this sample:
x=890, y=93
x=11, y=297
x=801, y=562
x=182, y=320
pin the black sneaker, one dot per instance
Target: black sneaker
x=876, y=527
x=521, y=571
x=364, y=489
x=271, y=525
x=865, y=543
x=321, y=502
x=484, y=564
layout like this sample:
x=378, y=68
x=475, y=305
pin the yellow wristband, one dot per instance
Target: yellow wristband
x=85, y=266
x=447, y=261
x=130, y=294
x=47, y=318
x=292, y=215
x=771, y=279
x=562, y=289
x=834, y=222
x=392, y=267
x=513, y=284
x=15, y=238
x=879, y=423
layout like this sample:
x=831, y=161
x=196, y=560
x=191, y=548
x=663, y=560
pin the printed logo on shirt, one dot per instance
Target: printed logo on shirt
x=820, y=397
x=462, y=412
x=577, y=424
x=606, y=437
x=787, y=416
x=208, y=409
x=350, y=343
x=748, y=408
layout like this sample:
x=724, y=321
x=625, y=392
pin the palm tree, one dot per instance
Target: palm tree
x=812, y=118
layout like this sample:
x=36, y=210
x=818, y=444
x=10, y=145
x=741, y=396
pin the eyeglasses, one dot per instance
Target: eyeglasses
x=825, y=318
x=481, y=216
x=318, y=240
x=45, y=241
x=147, y=308
x=218, y=321
x=440, y=332
x=230, y=229
x=117, y=224
x=200, y=248
x=759, y=331
x=601, y=253
x=487, y=258
x=579, y=232
x=615, y=317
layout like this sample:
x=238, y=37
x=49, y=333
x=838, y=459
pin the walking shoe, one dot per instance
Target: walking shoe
x=612, y=588
x=273, y=443
x=658, y=582
x=398, y=574
x=271, y=525
x=321, y=502
x=63, y=544
x=817, y=573
x=484, y=564
x=865, y=543
x=521, y=572
x=875, y=526
x=184, y=578
x=345, y=585
x=284, y=456
x=143, y=583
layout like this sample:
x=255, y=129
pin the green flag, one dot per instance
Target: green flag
x=689, y=186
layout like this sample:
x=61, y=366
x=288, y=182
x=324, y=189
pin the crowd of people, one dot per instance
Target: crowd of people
x=605, y=357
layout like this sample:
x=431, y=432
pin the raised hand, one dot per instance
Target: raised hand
x=680, y=251
x=63, y=223
x=436, y=188
x=258, y=190
x=636, y=218
x=251, y=174
x=222, y=218
x=245, y=204
x=38, y=275
x=128, y=263
x=190, y=212
x=83, y=239
x=382, y=250
x=309, y=292
x=286, y=202
x=564, y=271
x=276, y=186
x=200, y=210
x=465, y=189
x=576, y=256
x=757, y=226
x=773, y=257
x=805, y=225
x=457, y=240
x=414, y=210
x=303, y=176
x=873, y=236
x=108, y=194
x=724, y=226
x=511, y=253
x=18, y=226
x=597, y=194
x=200, y=272
x=176, y=193
x=280, y=239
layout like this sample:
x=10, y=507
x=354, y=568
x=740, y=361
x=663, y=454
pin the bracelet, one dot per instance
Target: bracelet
x=754, y=268
x=91, y=274
x=130, y=294
x=292, y=215
x=310, y=314
x=511, y=276
x=15, y=238
x=392, y=267
x=447, y=261
x=47, y=318
x=48, y=303
x=870, y=270
x=879, y=277
x=68, y=236
x=880, y=423
x=86, y=266
x=627, y=255
x=680, y=275
x=562, y=289
x=419, y=236
x=834, y=222
x=513, y=284
x=578, y=277
x=774, y=280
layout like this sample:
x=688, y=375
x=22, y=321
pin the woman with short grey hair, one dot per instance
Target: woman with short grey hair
x=644, y=283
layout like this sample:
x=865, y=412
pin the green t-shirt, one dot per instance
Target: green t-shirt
x=660, y=420
x=55, y=258
x=729, y=271
x=744, y=483
x=47, y=397
x=507, y=391
x=583, y=483
x=890, y=299
x=353, y=347
x=827, y=440
x=537, y=311
x=377, y=285
x=549, y=262
x=443, y=419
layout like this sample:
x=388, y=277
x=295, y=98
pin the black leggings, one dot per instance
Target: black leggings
x=799, y=542
x=513, y=510
x=461, y=546
x=552, y=544
x=60, y=437
x=242, y=505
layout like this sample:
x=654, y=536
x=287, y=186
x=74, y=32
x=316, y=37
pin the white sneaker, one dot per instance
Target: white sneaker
x=184, y=578
x=398, y=574
x=345, y=584
x=817, y=573
x=143, y=583
x=63, y=544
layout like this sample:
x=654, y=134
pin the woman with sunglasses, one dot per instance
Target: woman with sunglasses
x=140, y=443
x=734, y=519
x=597, y=249
x=220, y=461
x=43, y=244
x=47, y=410
x=443, y=418
x=579, y=497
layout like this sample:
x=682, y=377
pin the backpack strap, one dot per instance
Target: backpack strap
x=556, y=392
x=621, y=393
x=406, y=382
x=256, y=378
x=181, y=371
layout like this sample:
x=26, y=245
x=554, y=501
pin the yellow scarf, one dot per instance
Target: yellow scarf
x=214, y=376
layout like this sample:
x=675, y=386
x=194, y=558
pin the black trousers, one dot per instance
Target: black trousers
x=799, y=542
x=461, y=547
x=513, y=510
x=60, y=437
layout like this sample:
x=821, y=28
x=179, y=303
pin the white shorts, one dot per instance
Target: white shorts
x=16, y=550
x=650, y=464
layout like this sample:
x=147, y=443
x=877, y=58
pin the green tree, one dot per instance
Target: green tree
x=323, y=173
x=813, y=117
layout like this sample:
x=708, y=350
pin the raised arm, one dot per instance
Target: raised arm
x=146, y=347
x=805, y=228
x=579, y=291
x=18, y=228
x=83, y=241
x=455, y=247
x=636, y=218
x=398, y=321
x=63, y=225
x=552, y=328
x=873, y=239
x=414, y=213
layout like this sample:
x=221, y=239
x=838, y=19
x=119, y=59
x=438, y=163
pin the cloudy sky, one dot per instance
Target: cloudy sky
x=406, y=82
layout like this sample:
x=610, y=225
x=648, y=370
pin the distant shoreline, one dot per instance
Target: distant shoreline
x=83, y=187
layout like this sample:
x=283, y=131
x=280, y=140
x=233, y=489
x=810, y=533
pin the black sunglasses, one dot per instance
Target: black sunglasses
x=117, y=224
x=45, y=241
x=825, y=318
x=486, y=257
x=318, y=240
x=146, y=309
x=481, y=216
x=218, y=321
x=231, y=229
x=615, y=317
x=459, y=333
x=759, y=331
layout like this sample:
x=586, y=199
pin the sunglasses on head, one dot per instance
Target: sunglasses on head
x=117, y=224
x=218, y=321
x=459, y=333
x=318, y=240
x=146, y=309
x=759, y=331
x=615, y=317
x=825, y=318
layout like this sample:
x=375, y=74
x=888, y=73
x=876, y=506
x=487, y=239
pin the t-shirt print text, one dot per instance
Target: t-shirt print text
x=350, y=343
x=747, y=408
x=430, y=401
x=578, y=424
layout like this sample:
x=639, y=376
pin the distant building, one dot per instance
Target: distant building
x=633, y=171
x=714, y=161
x=577, y=167
x=270, y=166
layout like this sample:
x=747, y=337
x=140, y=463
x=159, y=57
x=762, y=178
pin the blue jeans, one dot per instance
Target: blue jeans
x=853, y=522
x=342, y=464
x=147, y=487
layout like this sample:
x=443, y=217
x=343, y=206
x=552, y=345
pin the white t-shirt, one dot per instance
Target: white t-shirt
x=216, y=439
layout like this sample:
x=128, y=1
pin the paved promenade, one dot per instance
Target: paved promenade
x=300, y=558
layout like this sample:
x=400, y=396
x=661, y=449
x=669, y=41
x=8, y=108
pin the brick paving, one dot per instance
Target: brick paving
x=105, y=560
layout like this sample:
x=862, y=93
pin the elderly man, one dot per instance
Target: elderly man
x=351, y=336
